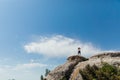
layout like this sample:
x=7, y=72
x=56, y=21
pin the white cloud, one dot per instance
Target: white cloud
x=22, y=71
x=25, y=66
x=29, y=66
x=60, y=46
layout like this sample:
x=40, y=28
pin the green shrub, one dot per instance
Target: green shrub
x=106, y=72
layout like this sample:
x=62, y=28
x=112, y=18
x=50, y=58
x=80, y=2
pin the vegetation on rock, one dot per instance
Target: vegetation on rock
x=47, y=71
x=106, y=72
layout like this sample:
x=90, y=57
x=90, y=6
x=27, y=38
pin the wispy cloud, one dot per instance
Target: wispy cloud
x=60, y=46
x=22, y=71
x=29, y=66
x=24, y=66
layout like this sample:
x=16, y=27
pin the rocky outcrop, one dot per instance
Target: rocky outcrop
x=74, y=64
x=66, y=69
x=76, y=58
x=112, y=58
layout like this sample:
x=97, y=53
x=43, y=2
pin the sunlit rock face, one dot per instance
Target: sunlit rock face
x=112, y=58
x=70, y=69
x=66, y=69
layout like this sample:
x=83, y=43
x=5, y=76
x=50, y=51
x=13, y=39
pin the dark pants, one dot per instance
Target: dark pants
x=79, y=52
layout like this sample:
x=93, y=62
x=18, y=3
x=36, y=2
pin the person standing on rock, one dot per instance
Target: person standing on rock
x=79, y=51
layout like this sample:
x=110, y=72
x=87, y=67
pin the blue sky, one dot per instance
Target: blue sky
x=93, y=25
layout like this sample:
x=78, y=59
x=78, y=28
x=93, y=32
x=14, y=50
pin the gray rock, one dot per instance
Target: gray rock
x=74, y=64
x=110, y=58
x=66, y=69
